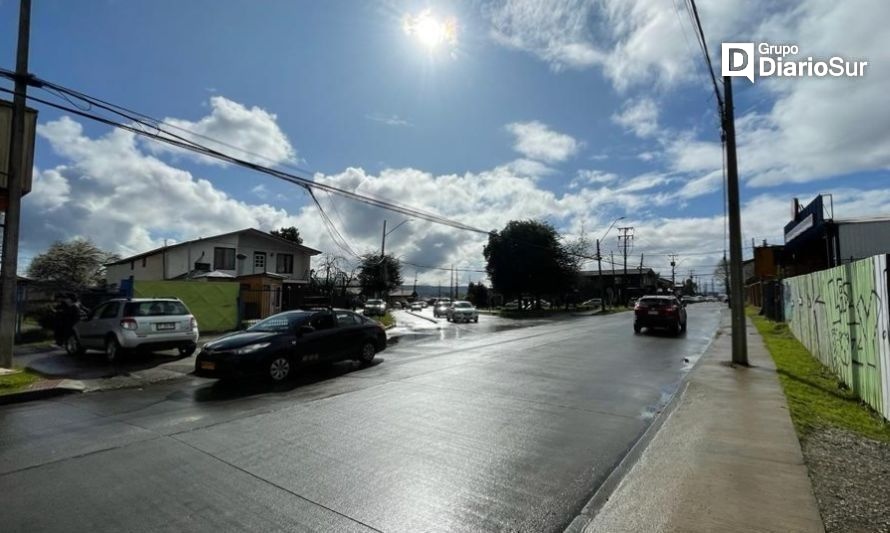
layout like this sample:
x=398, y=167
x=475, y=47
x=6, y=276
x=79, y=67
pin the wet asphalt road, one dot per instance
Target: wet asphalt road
x=499, y=430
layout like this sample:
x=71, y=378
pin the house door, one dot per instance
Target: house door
x=259, y=262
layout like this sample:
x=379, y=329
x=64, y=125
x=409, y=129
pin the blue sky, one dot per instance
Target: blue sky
x=574, y=111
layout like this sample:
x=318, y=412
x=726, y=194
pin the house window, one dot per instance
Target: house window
x=259, y=261
x=284, y=264
x=224, y=259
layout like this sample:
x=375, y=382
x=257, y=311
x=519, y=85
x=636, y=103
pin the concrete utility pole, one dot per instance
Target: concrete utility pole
x=625, y=237
x=9, y=267
x=599, y=266
x=737, y=298
x=674, y=274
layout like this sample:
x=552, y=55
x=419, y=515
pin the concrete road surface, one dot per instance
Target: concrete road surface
x=502, y=430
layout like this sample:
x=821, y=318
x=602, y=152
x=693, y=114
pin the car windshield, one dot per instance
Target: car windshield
x=463, y=305
x=155, y=308
x=281, y=322
x=374, y=302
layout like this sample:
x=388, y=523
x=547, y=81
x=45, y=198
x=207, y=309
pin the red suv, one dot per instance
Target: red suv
x=660, y=312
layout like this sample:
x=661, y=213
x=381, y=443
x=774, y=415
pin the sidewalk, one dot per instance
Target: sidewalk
x=726, y=459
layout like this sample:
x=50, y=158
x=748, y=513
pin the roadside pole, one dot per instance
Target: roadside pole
x=599, y=266
x=737, y=297
x=11, y=224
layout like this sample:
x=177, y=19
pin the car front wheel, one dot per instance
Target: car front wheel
x=279, y=369
x=73, y=346
x=367, y=352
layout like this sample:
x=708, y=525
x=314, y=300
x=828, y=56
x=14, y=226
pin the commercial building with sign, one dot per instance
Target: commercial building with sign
x=815, y=240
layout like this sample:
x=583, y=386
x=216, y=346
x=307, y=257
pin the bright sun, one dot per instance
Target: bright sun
x=429, y=30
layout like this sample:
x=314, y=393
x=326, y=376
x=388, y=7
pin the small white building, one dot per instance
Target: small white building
x=231, y=255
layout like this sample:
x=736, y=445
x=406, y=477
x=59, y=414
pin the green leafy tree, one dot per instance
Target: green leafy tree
x=291, y=234
x=477, y=294
x=379, y=275
x=529, y=257
x=70, y=266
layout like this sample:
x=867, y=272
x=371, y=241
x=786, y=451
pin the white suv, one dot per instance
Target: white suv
x=137, y=323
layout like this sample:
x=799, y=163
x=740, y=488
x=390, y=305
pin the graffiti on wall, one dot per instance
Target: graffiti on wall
x=842, y=318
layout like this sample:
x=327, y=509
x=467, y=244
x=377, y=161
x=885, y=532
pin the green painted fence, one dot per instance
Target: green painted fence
x=214, y=304
x=841, y=316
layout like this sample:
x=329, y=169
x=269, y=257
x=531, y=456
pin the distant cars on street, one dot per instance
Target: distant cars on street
x=121, y=325
x=462, y=311
x=417, y=306
x=440, y=308
x=660, y=312
x=374, y=307
x=277, y=346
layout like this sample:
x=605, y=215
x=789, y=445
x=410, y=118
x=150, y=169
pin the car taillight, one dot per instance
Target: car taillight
x=193, y=324
x=639, y=307
x=673, y=308
x=129, y=323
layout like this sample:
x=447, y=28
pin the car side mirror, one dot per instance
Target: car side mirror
x=684, y=304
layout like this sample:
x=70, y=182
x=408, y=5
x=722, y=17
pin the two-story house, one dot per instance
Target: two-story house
x=263, y=263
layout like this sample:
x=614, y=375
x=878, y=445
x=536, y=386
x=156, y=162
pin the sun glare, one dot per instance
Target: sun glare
x=429, y=30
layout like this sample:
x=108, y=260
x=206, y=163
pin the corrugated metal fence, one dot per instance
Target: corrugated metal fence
x=841, y=315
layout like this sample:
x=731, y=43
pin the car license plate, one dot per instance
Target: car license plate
x=653, y=311
x=165, y=326
x=208, y=365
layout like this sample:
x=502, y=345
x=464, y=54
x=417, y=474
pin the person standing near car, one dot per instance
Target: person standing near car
x=68, y=312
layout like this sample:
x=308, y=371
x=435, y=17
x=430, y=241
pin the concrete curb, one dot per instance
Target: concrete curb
x=433, y=320
x=605, y=490
x=66, y=386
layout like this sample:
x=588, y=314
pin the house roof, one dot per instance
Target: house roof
x=251, y=231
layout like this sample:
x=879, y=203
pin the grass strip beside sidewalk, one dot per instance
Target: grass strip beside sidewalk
x=816, y=398
x=17, y=381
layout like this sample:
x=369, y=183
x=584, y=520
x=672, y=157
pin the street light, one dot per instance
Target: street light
x=599, y=262
x=383, y=248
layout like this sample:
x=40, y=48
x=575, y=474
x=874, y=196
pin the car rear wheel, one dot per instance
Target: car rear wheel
x=637, y=328
x=367, y=353
x=279, y=369
x=187, y=349
x=683, y=327
x=476, y=320
x=73, y=346
x=112, y=350
x=675, y=328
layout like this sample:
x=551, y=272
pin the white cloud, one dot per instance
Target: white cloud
x=49, y=190
x=126, y=200
x=800, y=130
x=639, y=116
x=389, y=120
x=246, y=133
x=536, y=140
x=556, y=31
x=596, y=176
x=260, y=191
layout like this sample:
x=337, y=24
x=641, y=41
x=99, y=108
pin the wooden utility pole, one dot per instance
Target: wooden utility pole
x=737, y=296
x=12, y=219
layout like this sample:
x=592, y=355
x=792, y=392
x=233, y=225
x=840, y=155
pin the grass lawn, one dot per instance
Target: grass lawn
x=17, y=381
x=816, y=398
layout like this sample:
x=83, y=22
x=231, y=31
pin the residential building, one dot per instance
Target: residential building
x=272, y=271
